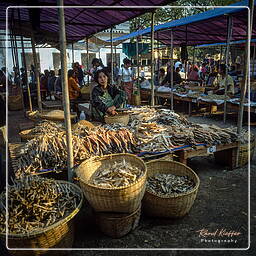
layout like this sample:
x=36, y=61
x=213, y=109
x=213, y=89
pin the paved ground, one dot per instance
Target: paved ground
x=222, y=203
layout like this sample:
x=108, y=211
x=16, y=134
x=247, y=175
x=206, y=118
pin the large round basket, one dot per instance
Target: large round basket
x=56, y=117
x=169, y=206
x=246, y=151
x=58, y=235
x=121, y=118
x=117, y=224
x=125, y=199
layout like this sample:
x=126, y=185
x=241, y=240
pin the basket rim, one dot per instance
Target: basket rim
x=176, y=195
x=99, y=158
x=118, y=115
x=56, y=224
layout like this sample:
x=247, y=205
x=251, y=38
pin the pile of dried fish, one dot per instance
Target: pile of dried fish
x=49, y=151
x=169, y=184
x=46, y=127
x=35, y=203
x=121, y=173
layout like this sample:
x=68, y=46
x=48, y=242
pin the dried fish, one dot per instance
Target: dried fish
x=169, y=184
x=121, y=173
x=35, y=203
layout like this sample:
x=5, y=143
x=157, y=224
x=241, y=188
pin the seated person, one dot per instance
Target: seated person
x=176, y=77
x=159, y=77
x=73, y=86
x=105, y=97
x=220, y=82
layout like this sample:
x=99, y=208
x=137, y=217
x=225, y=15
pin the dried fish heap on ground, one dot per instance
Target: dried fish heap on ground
x=49, y=151
x=122, y=173
x=169, y=184
x=35, y=203
x=46, y=127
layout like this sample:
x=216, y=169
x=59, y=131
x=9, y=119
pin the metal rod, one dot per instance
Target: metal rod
x=152, y=59
x=73, y=60
x=39, y=100
x=221, y=53
x=137, y=58
x=172, y=69
x=112, y=59
x=25, y=65
x=87, y=59
x=115, y=55
x=64, y=77
x=229, y=35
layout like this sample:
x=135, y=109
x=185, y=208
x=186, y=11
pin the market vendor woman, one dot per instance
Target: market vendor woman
x=105, y=97
x=220, y=82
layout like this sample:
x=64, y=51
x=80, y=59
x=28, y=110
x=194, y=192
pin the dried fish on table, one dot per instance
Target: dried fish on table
x=35, y=203
x=121, y=173
x=169, y=184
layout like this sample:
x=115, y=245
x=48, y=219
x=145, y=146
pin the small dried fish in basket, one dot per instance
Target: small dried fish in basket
x=120, y=174
x=46, y=127
x=169, y=184
x=35, y=203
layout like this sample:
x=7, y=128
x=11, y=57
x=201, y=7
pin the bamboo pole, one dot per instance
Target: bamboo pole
x=73, y=56
x=194, y=51
x=221, y=53
x=64, y=77
x=39, y=100
x=112, y=59
x=137, y=58
x=229, y=35
x=87, y=59
x=152, y=59
x=172, y=69
x=246, y=81
x=25, y=65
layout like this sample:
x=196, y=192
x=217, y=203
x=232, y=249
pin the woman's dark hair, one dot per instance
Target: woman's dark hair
x=96, y=76
x=70, y=73
x=127, y=61
x=95, y=60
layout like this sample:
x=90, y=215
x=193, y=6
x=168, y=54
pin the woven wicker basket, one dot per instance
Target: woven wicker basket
x=245, y=150
x=117, y=224
x=169, y=206
x=56, y=117
x=58, y=235
x=124, y=199
x=121, y=118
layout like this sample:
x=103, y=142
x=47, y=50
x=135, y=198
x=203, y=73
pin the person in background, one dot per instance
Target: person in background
x=160, y=77
x=44, y=84
x=58, y=84
x=79, y=73
x=116, y=72
x=106, y=98
x=220, y=82
x=2, y=81
x=176, y=77
x=193, y=74
x=96, y=65
x=51, y=81
x=73, y=86
x=126, y=78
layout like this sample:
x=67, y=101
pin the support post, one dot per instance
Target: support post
x=172, y=69
x=229, y=35
x=137, y=58
x=73, y=54
x=87, y=59
x=253, y=61
x=25, y=65
x=152, y=59
x=112, y=59
x=221, y=53
x=39, y=100
x=194, y=51
x=64, y=77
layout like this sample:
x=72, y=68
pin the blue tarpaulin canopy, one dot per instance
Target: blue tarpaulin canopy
x=205, y=27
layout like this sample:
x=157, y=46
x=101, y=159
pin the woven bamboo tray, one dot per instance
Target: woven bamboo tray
x=117, y=224
x=56, y=117
x=25, y=135
x=169, y=206
x=58, y=235
x=124, y=199
x=246, y=151
x=121, y=118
